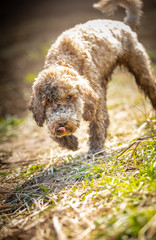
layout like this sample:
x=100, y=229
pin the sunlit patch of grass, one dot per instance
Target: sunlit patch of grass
x=8, y=126
x=154, y=67
x=127, y=188
x=33, y=169
x=33, y=56
x=152, y=53
x=5, y=173
x=30, y=77
x=124, y=83
x=113, y=197
x=40, y=53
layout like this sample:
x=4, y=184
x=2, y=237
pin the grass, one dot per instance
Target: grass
x=31, y=170
x=30, y=77
x=66, y=196
x=8, y=126
x=108, y=198
x=130, y=193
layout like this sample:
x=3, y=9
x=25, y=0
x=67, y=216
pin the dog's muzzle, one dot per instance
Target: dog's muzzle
x=62, y=128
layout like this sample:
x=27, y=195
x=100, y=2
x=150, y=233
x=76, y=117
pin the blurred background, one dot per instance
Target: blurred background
x=29, y=27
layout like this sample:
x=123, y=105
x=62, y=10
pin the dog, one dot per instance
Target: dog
x=78, y=66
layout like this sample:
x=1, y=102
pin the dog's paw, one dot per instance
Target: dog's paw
x=69, y=142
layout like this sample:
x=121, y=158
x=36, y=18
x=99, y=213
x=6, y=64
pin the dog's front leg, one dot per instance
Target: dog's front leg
x=98, y=128
x=69, y=142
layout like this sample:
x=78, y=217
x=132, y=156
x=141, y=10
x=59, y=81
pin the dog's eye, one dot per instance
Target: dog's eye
x=49, y=101
x=68, y=98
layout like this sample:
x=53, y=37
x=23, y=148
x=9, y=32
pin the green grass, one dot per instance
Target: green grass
x=8, y=126
x=33, y=169
x=152, y=53
x=30, y=77
x=116, y=194
x=128, y=193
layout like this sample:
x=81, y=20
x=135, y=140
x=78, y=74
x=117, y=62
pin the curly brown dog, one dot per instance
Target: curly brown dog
x=78, y=67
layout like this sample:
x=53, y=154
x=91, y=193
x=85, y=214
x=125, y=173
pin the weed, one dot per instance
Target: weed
x=32, y=170
x=7, y=125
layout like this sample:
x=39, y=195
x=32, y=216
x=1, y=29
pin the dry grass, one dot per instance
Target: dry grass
x=51, y=193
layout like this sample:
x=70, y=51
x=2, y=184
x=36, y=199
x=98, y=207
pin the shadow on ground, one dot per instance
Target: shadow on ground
x=64, y=174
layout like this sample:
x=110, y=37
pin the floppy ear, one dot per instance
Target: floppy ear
x=37, y=109
x=90, y=101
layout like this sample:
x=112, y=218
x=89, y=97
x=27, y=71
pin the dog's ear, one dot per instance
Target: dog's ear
x=37, y=109
x=90, y=101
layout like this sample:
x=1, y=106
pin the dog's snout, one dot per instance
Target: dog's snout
x=62, y=123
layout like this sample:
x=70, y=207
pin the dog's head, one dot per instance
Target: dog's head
x=61, y=97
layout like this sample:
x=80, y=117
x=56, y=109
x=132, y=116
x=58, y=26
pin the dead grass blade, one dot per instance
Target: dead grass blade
x=58, y=229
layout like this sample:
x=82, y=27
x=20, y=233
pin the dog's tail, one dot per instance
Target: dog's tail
x=133, y=10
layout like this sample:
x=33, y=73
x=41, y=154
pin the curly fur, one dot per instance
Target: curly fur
x=133, y=10
x=74, y=81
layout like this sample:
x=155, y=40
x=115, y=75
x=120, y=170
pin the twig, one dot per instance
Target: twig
x=5, y=206
x=144, y=138
x=125, y=150
x=5, y=210
x=137, y=142
x=102, y=151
